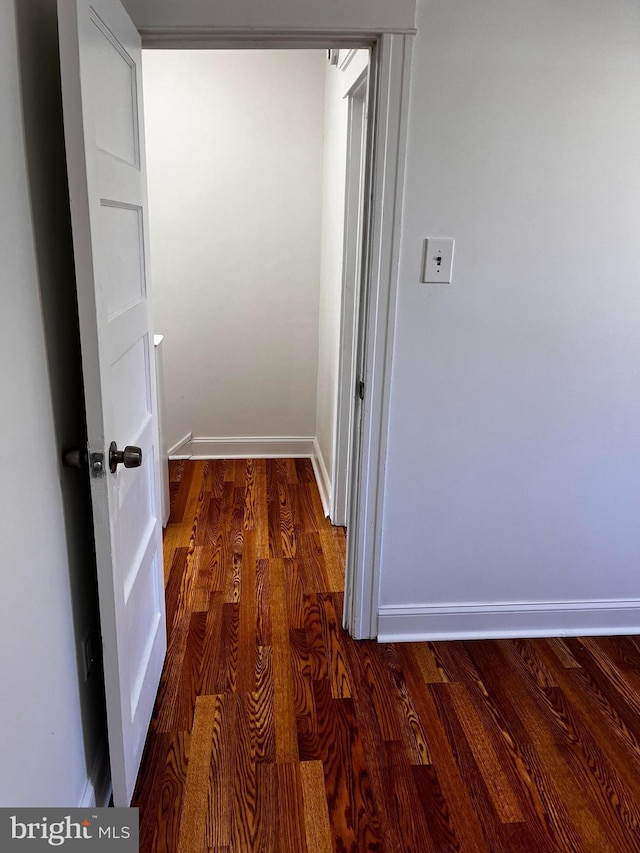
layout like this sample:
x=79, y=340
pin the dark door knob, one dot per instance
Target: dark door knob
x=130, y=457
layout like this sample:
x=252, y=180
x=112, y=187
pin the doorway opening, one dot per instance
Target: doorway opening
x=100, y=49
x=257, y=170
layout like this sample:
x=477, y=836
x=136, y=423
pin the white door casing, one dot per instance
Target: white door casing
x=388, y=116
x=102, y=103
x=386, y=141
x=351, y=288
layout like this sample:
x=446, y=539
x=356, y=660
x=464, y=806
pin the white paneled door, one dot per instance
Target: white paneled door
x=101, y=86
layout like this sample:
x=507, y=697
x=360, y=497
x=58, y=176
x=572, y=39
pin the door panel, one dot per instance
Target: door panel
x=100, y=62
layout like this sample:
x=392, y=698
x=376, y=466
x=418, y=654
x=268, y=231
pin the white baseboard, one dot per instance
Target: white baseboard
x=322, y=477
x=246, y=447
x=180, y=448
x=97, y=791
x=494, y=621
x=259, y=447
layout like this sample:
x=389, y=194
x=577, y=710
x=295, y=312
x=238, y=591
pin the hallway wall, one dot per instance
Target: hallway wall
x=234, y=152
x=513, y=475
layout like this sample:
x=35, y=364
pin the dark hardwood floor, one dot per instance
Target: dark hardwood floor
x=274, y=731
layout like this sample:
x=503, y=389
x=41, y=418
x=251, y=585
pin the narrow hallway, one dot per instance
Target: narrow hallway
x=274, y=731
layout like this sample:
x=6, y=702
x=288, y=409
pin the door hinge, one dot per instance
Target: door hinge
x=361, y=389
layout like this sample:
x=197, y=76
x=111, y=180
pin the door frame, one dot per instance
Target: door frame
x=354, y=218
x=390, y=70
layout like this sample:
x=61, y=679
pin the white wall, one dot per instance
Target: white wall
x=42, y=750
x=234, y=149
x=513, y=472
x=338, y=82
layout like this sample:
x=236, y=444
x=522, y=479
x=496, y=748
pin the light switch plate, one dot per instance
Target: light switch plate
x=438, y=260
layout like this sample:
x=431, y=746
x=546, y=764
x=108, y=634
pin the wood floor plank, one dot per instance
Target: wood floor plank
x=244, y=807
x=213, y=645
x=218, y=778
x=175, y=538
x=173, y=583
x=273, y=510
x=307, y=507
x=438, y=813
x=316, y=813
x=237, y=519
x=204, y=573
x=502, y=796
x=367, y=666
x=290, y=470
x=624, y=686
x=165, y=708
x=262, y=709
x=225, y=678
x=191, y=512
x=191, y=835
x=213, y=477
x=608, y=793
x=187, y=473
x=263, y=602
x=261, y=515
x=311, y=561
x=425, y=660
x=303, y=700
x=339, y=535
x=545, y=775
x=333, y=564
x=286, y=733
x=408, y=814
x=287, y=524
x=233, y=576
x=273, y=731
x=602, y=715
x=333, y=642
x=450, y=807
x=218, y=518
x=560, y=649
x=291, y=825
x=382, y=782
x=176, y=471
x=315, y=638
x=413, y=733
x=352, y=811
x=190, y=686
x=250, y=496
x=295, y=592
x=246, y=682
x=173, y=781
x=266, y=809
x=149, y=784
x=483, y=793
x=293, y=490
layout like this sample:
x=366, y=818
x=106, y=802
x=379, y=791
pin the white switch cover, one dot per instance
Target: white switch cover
x=438, y=260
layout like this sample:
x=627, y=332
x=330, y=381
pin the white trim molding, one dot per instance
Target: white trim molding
x=406, y=623
x=180, y=448
x=387, y=138
x=246, y=447
x=241, y=38
x=322, y=477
